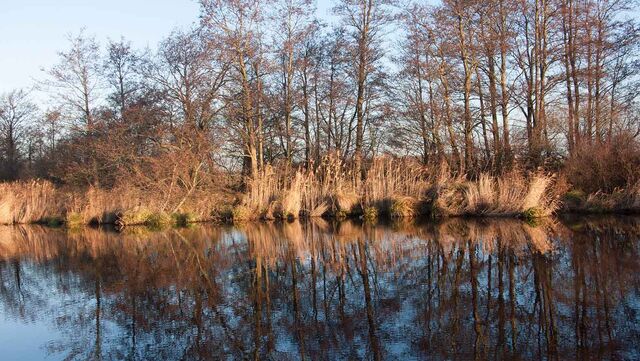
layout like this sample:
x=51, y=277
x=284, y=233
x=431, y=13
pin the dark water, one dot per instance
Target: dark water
x=459, y=290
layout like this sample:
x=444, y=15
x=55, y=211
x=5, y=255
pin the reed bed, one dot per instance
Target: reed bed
x=28, y=202
x=619, y=201
x=396, y=187
x=41, y=202
x=513, y=195
x=393, y=188
x=330, y=189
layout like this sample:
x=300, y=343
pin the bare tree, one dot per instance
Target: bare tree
x=294, y=20
x=191, y=74
x=76, y=80
x=120, y=72
x=234, y=26
x=366, y=19
x=16, y=111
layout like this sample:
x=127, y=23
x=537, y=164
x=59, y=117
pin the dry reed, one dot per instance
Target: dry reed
x=28, y=202
x=619, y=201
x=40, y=202
x=510, y=195
x=398, y=188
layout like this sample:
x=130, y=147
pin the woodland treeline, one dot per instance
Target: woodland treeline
x=480, y=85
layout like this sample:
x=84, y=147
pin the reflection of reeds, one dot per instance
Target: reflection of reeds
x=514, y=234
x=43, y=243
x=274, y=242
x=35, y=242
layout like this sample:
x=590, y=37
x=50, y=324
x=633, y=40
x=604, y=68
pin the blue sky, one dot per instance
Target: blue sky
x=33, y=31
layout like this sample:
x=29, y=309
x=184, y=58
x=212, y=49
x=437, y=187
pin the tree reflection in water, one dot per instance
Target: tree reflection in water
x=461, y=289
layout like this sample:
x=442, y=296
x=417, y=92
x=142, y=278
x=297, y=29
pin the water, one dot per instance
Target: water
x=462, y=289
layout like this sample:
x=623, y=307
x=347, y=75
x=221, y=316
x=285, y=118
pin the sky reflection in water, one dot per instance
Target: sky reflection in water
x=461, y=289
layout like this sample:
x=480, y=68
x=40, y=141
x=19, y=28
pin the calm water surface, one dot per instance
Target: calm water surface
x=458, y=290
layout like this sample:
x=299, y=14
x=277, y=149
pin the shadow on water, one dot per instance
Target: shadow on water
x=460, y=289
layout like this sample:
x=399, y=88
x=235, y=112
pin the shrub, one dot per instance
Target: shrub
x=370, y=214
x=574, y=199
x=605, y=166
x=403, y=207
x=183, y=219
x=130, y=217
x=53, y=222
x=157, y=220
x=74, y=220
x=241, y=213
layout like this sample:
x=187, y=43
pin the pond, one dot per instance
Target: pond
x=459, y=289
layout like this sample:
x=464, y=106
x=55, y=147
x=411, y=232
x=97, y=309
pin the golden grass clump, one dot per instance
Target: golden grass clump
x=184, y=219
x=480, y=196
x=241, y=213
x=158, y=220
x=133, y=217
x=290, y=202
x=28, y=202
x=370, y=214
x=404, y=207
x=621, y=201
x=319, y=210
x=510, y=195
x=74, y=220
x=101, y=206
x=445, y=196
x=389, y=178
x=344, y=203
x=331, y=189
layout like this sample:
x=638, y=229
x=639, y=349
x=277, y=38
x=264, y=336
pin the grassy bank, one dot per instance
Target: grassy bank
x=390, y=188
x=619, y=201
x=41, y=202
x=393, y=189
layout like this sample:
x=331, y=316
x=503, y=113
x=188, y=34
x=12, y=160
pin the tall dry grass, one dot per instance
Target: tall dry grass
x=331, y=188
x=510, y=195
x=328, y=189
x=41, y=202
x=28, y=202
x=104, y=206
x=621, y=200
x=397, y=188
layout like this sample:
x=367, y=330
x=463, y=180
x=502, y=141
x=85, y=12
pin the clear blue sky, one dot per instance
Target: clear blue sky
x=33, y=31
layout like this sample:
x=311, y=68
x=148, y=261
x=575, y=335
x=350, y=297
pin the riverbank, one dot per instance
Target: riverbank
x=390, y=190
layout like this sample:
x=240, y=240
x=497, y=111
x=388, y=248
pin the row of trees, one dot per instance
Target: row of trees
x=477, y=84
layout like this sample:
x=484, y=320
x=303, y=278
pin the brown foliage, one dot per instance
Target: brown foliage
x=605, y=166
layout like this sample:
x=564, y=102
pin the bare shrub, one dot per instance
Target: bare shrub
x=605, y=166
